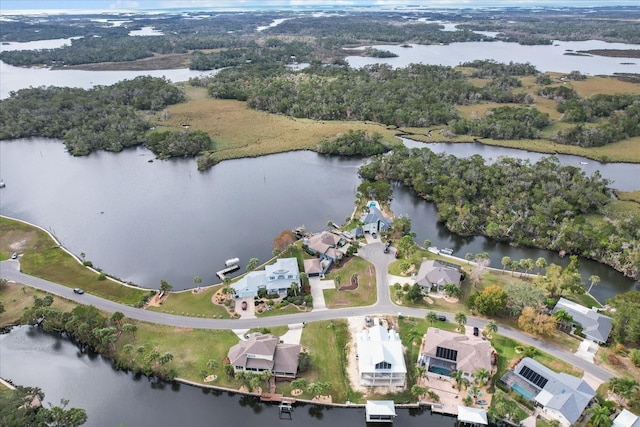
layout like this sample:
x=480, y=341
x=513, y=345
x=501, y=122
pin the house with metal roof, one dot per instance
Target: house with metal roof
x=561, y=396
x=380, y=357
x=595, y=326
x=626, y=419
x=275, y=279
x=374, y=221
x=264, y=352
x=443, y=352
x=436, y=274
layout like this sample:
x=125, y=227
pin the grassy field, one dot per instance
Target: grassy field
x=505, y=347
x=366, y=292
x=191, y=348
x=326, y=342
x=630, y=196
x=41, y=257
x=17, y=298
x=242, y=132
x=194, y=305
x=226, y=122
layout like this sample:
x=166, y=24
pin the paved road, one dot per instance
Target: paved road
x=373, y=252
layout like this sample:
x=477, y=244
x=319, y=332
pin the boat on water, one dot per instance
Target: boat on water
x=231, y=261
x=1, y=183
x=584, y=163
x=446, y=251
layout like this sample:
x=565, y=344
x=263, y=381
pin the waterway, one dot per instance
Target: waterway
x=543, y=57
x=144, y=222
x=31, y=357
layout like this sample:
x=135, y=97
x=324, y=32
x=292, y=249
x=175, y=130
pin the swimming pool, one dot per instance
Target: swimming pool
x=439, y=370
x=522, y=391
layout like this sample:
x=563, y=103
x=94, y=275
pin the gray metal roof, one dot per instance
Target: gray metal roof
x=595, y=326
x=563, y=392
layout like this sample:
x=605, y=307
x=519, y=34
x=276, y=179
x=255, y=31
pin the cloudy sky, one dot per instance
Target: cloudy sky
x=107, y=5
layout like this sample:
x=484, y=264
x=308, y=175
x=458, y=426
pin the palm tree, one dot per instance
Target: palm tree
x=491, y=328
x=594, y=280
x=481, y=375
x=506, y=261
x=197, y=280
x=337, y=280
x=600, y=416
x=452, y=290
x=541, y=263
x=427, y=243
x=458, y=376
x=419, y=371
x=563, y=318
x=432, y=317
x=460, y=318
x=468, y=256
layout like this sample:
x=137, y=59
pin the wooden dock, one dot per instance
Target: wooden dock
x=227, y=270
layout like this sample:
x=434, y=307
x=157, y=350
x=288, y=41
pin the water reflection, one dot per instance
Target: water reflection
x=113, y=397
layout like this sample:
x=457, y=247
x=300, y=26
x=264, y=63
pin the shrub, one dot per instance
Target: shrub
x=87, y=263
x=634, y=356
x=102, y=276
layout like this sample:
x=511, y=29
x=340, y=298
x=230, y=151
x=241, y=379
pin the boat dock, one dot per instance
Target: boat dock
x=221, y=274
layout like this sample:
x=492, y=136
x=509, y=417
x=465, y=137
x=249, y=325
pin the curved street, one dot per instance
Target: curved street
x=373, y=252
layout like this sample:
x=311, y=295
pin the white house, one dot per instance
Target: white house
x=380, y=357
x=275, y=279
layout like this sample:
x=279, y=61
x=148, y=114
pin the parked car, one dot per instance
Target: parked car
x=442, y=318
x=244, y=305
x=367, y=320
x=476, y=331
x=78, y=291
x=374, y=235
x=14, y=255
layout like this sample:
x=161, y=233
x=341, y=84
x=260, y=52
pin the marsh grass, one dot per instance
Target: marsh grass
x=242, y=132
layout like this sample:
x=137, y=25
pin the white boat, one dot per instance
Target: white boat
x=446, y=251
x=1, y=183
x=232, y=261
x=584, y=163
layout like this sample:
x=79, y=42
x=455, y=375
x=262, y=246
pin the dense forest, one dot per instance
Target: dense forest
x=418, y=95
x=544, y=205
x=354, y=143
x=103, y=118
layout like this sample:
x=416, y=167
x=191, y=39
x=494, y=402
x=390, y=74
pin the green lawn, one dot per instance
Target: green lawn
x=43, y=258
x=327, y=341
x=194, y=305
x=17, y=298
x=366, y=292
x=191, y=348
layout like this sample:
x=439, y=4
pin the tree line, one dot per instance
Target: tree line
x=417, y=95
x=545, y=204
x=102, y=118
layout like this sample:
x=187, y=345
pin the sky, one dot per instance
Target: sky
x=142, y=5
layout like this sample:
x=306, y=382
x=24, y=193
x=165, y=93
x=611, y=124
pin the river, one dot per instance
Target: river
x=31, y=357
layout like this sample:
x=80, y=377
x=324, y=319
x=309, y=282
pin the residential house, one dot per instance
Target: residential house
x=626, y=419
x=561, y=396
x=437, y=274
x=595, y=326
x=275, y=279
x=380, y=357
x=326, y=245
x=444, y=352
x=264, y=352
x=374, y=221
